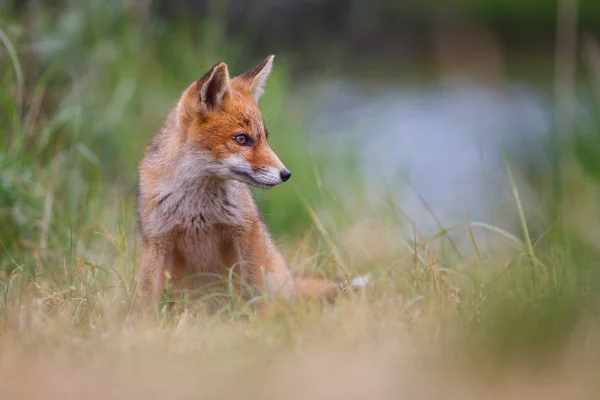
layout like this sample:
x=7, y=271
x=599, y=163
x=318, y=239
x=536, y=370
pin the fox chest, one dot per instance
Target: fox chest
x=207, y=231
x=194, y=207
x=205, y=256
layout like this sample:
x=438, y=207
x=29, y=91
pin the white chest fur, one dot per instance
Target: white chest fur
x=195, y=205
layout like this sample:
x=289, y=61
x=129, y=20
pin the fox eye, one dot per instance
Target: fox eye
x=243, y=140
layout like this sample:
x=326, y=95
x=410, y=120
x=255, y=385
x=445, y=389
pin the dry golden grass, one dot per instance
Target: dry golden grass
x=358, y=349
x=404, y=337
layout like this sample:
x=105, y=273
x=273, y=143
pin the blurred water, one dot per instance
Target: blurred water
x=444, y=141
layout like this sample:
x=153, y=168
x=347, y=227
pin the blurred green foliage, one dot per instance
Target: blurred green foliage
x=89, y=82
x=96, y=86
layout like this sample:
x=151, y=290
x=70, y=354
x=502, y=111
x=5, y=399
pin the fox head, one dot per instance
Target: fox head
x=222, y=129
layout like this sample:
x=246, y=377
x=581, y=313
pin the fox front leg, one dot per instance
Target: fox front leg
x=157, y=256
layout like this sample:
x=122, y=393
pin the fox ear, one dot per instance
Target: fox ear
x=207, y=94
x=213, y=87
x=257, y=77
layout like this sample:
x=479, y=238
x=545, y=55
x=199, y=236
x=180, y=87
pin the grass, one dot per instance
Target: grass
x=76, y=114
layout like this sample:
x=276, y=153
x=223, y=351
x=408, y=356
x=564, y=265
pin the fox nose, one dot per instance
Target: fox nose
x=285, y=174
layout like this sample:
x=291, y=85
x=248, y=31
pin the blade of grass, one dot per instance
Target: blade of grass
x=528, y=244
x=325, y=234
x=14, y=58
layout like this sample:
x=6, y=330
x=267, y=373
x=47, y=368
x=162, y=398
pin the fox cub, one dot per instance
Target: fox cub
x=196, y=212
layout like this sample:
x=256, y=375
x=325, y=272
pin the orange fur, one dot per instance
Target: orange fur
x=196, y=212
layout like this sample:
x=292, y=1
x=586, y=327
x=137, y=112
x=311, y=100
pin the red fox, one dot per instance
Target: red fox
x=196, y=212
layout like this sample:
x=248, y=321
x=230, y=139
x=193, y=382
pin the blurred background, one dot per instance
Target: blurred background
x=407, y=102
x=406, y=124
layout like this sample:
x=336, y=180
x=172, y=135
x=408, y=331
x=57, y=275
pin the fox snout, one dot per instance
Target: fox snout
x=260, y=168
x=264, y=178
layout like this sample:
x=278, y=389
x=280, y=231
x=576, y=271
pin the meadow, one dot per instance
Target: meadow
x=83, y=90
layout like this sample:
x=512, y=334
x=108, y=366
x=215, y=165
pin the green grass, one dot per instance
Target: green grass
x=76, y=115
